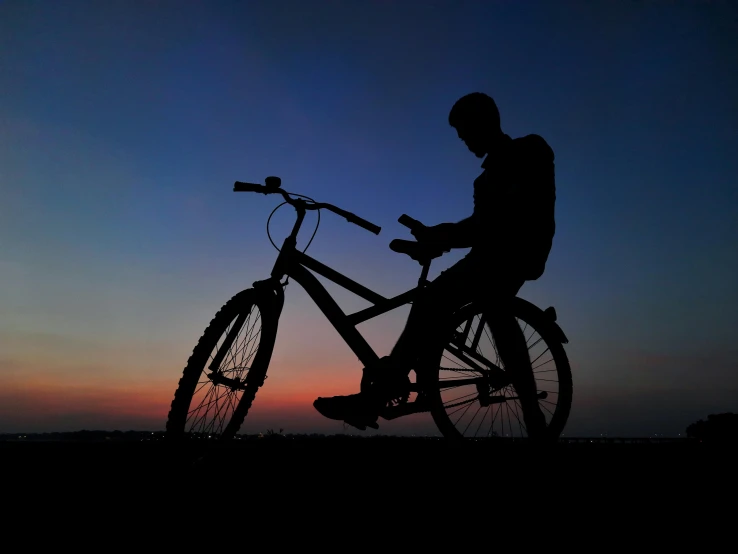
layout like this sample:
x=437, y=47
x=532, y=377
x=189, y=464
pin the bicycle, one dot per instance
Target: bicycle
x=229, y=363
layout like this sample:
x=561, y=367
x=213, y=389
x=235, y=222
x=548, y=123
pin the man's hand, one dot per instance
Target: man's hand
x=435, y=234
x=448, y=235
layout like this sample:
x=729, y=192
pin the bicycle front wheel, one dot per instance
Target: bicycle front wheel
x=470, y=391
x=226, y=368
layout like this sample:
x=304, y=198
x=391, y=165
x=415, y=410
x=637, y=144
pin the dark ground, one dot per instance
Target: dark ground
x=333, y=458
x=363, y=482
x=420, y=491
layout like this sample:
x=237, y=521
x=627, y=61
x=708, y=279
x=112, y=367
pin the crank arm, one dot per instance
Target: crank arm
x=450, y=383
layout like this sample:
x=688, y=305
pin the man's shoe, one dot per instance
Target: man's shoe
x=360, y=410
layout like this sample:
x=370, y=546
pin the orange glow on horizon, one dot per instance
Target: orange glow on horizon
x=36, y=399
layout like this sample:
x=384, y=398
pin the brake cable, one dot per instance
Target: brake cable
x=286, y=282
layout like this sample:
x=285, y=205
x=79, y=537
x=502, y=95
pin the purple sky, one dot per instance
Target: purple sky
x=124, y=124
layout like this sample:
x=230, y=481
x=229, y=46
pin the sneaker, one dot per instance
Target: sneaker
x=362, y=410
x=359, y=410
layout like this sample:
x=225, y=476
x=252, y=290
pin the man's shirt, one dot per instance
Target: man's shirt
x=513, y=221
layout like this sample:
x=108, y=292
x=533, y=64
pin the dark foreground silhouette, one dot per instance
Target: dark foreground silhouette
x=717, y=428
x=340, y=481
x=101, y=460
x=485, y=363
x=278, y=473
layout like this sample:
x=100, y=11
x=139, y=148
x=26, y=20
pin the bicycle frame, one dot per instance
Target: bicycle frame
x=295, y=265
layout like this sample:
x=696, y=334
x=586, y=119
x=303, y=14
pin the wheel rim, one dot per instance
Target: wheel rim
x=218, y=393
x=473, y=408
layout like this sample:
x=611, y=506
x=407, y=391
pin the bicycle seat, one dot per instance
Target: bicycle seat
x=422, y=253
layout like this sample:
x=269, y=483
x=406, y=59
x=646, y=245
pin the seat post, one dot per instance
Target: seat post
x=424, y=273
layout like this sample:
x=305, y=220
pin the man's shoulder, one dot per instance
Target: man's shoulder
x=533, y=145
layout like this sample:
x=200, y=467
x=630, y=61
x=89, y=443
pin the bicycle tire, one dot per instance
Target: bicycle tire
x=542, y=324
x=194, y=374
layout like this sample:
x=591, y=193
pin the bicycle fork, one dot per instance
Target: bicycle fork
x=270, y=305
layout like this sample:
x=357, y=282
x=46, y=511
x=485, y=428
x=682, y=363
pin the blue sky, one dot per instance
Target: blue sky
x=124, y=125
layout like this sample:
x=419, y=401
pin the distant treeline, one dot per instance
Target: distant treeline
x=83, y=435
x=717, y=428
x=137, y=436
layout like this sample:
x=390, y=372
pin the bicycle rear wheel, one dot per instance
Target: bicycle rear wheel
x=470, y=392
x=226, y=368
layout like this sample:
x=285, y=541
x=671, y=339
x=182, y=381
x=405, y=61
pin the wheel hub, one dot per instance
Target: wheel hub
x=233, y=384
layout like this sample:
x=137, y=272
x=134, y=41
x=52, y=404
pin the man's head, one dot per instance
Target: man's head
x=477, y=122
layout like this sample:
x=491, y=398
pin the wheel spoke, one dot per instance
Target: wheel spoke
x=541, y=354
x=506, y=416
x=213, y=401
x=541, y=365
x=461, y=404
x=463, y=413
x=544, y=370
x=448, y=405
x=482, y=420
x=497, y=412
x=516, y=414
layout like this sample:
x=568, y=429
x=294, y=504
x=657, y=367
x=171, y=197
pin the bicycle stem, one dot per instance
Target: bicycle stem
x=300, y=208
x=290, y=243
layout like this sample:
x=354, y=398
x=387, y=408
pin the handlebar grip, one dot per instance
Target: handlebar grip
x=355, y=219
x=238, y=186
x=409, y=222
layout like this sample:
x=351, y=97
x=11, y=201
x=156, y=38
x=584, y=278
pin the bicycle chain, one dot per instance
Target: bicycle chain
x=463, y=402
x=461, y=370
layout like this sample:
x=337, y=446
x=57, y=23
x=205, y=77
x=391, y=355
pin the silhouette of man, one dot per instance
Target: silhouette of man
x=510, y=234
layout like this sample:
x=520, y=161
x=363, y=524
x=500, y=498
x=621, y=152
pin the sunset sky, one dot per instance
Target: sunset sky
x=123, y=126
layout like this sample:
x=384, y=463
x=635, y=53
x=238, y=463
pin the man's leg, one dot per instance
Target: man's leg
x=391, y=372
x=513, y=350
x=420, y=318
x=432, y=307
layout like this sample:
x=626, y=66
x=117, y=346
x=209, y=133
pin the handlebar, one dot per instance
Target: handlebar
x=353, y=218
x=238, y=186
